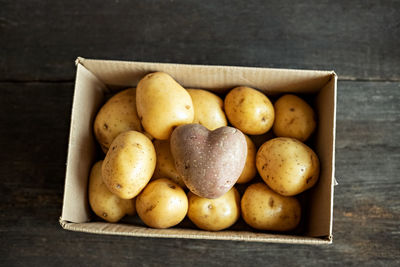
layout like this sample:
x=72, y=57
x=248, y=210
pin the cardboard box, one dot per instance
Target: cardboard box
x=95, y=78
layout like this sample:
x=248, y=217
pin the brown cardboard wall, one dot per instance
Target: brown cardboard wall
x=96, y=77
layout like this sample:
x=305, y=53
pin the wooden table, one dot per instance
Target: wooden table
x=39, y=41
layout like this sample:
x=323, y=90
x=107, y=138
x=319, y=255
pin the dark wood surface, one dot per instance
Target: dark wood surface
x=358, y=39
x=39, y=41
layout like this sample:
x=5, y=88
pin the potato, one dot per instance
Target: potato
x=165, y=165
x=129, y=164
x=293, y=118
x=263, y=209
x=162, y=204
x=162, y=104
x=117, y=115
x=288, y=166
x=249, y=110
x=209, y=162
x=214, y=214
x=249, y=170
x=208, y=109
x=104, y=203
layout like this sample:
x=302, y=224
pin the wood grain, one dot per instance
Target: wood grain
x=358, y=39
x=35, y=124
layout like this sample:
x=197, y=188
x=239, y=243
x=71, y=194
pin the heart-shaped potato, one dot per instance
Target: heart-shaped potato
x=209, y=162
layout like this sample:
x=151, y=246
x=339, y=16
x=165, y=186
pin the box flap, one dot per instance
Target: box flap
x=127, y=74
x=132, y=230
x=88, y=96
x=320, y=209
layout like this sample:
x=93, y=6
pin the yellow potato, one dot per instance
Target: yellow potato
x=117, y=115
x=129, y=164
x=249, y=110
x=288, y=166
x=263, y=209
x=162, y=104
x=162, y=204
x=165, y=166
x=214, y=214
x=104, y=203
x=249, y=170
x=294, y=118
x=208, y=109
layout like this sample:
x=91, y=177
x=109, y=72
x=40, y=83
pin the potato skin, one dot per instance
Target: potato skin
x=117, y=115
x=162, y=104
x=214, y=214
x=249, y=110
x=208, y=109
x=249, y=170
x=209, y=162
x=288, y=166
x=165, y=165
x=293, y=118
x=263, y=209
x=129, y=164
x=162, y=204
x=105, y=204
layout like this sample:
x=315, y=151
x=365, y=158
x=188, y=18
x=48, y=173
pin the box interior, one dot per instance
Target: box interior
x=97, y=78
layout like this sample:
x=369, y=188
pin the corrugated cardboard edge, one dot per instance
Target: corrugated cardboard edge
x=334, y=182
x=131, y=230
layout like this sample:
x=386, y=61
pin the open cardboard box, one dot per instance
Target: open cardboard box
x=96, y=78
